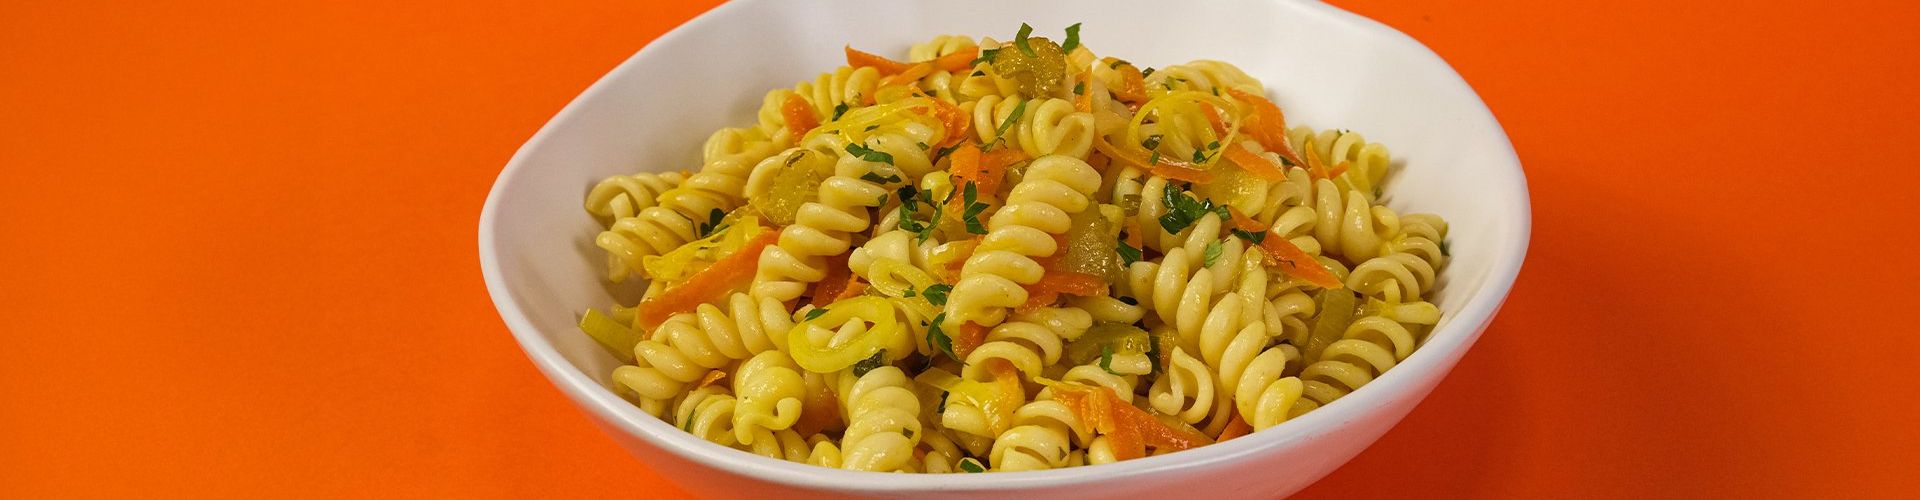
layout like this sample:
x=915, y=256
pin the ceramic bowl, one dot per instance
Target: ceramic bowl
x=1328, y=68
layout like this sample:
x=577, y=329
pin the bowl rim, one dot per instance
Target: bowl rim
x=1448, y=341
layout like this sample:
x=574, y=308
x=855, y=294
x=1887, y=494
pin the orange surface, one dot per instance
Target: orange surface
x=241, y=258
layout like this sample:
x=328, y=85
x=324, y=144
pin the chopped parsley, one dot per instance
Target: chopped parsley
x=874, y=177
x=1020, y=40
x=1145, y=72
x=1255, y=237
x=910, y=201
x=712, y=225
x=971, y=216
x=970, y=465
x=986, y=56
x=1152, y=142
x=1106, y=358
x=1183, y=210
x=878, y=359
x=1213, y=252
x=816, y=313
x=839, y=109
x=1079, y=88
x=939, y=339
x=936, y=293
x=1000, y=134
x=869, y=154
x=1128, y=253
x=1073, y=38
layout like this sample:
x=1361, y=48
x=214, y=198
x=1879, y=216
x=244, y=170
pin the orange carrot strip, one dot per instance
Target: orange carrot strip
x=1213, y=118
x=712, y=377
x=907, y=77
x=1156, y=433
x=970, y=336
x=1053, y=284
x=1338, y=170
x=1235, y=428
x=986, y=170
x=830, y=287
x=1244, y=223
x=886, y=66
x=709, y=285
x=855, y=288
x=799, y=114
x=1166, y=167
x=1253, y=163
x=1296, y=262
x=958, y=61
x=957, y=123
x=1084, y=101
x=1316, y=167
x=1268, y=125
x=820, y=411
x=1133, y=85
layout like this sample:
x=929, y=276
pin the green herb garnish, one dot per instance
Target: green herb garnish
x=839, y=109
x=939, y=339
x=866, y=365
x=875, y=177
x=869, y=154
x=1020, y=40
x=936, y=293
x=816, y=313
x=970, y=465
x=1128, y=253
x=1213, y=252
x=971, y=216
x=1073, y=38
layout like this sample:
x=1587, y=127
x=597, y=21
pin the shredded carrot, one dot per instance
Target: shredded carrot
x=886, y=66
x=1316, y=167
x=1133, y=84
x=712, y=377
x=1267, y=125
x=1253, y=163
x=1244, y=223
x=1338, y=170
x=907, y=77
x=1156, y=433
x=820, y=411
x=1213, y=118
x=1296, y=262
x=1135, y=238
x=970, y=336
x=856, y=286
x=1053, y=284
x=1129, y=429
x=1012, y=393
x=1235, y=428
x=709, y=285
x=957, y=123
x=1283, y=254
x=836, y=282
x=1165, y=167
x=1084, y=102
x=958, y=61
x=986, y=170
x=799, y=114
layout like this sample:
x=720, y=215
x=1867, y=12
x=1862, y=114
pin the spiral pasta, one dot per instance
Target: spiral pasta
x=1035, y=259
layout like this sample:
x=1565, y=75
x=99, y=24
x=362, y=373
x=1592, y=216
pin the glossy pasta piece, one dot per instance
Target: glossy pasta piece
x=1204, y=75
x=624, y=196
x=1042, y=127
x=883, y=420
x=991, y=281
x=771, y=392
x=825, y=227
x=1370, y=347
x=686, y=346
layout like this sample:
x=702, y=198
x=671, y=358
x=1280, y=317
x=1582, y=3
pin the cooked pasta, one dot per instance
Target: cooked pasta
x=1006, y=256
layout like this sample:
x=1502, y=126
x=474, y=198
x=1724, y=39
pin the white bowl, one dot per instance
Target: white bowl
x=1328, y=68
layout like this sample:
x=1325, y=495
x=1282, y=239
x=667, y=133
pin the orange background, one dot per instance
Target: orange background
x=240, y=257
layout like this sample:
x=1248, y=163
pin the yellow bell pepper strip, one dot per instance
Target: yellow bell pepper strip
x=885, y=333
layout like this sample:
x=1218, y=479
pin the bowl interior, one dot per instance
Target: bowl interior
x=1325, y=67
